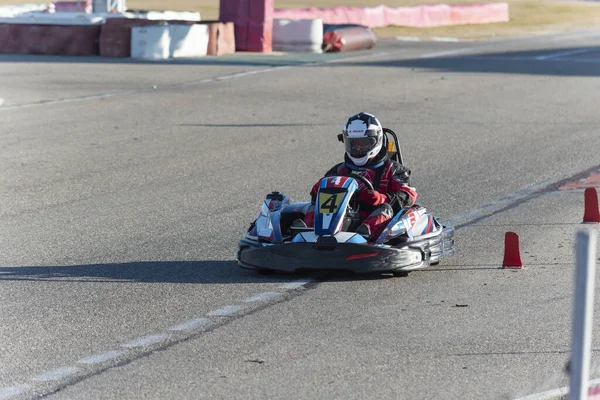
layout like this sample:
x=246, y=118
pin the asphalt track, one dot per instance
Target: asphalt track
x=126, y=185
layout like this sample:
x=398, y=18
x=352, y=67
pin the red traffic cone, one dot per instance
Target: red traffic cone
x=512, y=254
x=591, y=214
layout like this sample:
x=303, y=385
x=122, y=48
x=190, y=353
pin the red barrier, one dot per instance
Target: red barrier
x=253, y=22
x=72, y=6
x=221, y=39
x=418, y=16
x=68, y=40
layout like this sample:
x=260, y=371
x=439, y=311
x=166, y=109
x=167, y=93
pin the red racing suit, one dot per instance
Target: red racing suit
x=392, y=193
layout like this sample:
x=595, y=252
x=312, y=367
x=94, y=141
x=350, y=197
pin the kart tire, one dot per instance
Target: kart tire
x=400, y=274
x=265, y=271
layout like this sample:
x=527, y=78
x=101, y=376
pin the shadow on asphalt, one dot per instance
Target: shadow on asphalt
x=249, y=125
x=239, y=59
x=195, y=272
x=512, y=62
x=515, y=62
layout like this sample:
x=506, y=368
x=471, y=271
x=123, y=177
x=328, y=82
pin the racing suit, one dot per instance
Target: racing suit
x=377, y=207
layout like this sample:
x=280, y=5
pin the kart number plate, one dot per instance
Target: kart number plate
x=328, y=203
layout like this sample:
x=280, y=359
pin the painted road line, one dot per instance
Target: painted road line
x=507, y=201
x=56, y=374
x=103, y=357
x=226, y=311
x=146, y=340
x=12, y=391
x=190, y=325
x=266, y=296
x=565, y=53
x=1, y=101
x=408, y=39
x=296, y=284
x=530, y=59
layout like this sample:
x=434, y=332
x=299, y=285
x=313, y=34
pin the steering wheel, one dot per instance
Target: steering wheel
x=360, y=178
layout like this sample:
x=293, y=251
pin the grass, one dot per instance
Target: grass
x=526, y=16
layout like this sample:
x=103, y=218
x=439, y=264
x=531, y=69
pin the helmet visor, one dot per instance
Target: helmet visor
x=359, y=147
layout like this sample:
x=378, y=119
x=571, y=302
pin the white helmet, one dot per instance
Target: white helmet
x=363, y=137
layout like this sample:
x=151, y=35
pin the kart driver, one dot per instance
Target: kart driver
x=366, y=155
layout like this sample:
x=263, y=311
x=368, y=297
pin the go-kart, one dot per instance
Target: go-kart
x=275, y=241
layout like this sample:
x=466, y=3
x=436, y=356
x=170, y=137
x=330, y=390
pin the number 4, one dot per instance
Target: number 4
x=330, y=204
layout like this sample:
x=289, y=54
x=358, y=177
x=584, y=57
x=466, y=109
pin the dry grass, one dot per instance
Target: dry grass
x=527, y=16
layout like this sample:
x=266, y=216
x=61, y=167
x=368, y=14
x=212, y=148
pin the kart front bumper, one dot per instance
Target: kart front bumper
x=358, y=258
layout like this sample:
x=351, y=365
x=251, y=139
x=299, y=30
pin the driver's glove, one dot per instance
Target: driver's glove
x=372, y=197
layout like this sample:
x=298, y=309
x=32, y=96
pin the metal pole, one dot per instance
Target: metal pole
x=585, y=270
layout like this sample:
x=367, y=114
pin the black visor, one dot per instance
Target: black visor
x=359, y=147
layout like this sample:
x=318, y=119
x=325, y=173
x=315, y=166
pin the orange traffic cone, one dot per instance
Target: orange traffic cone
x=512, y=254
x=591, y=213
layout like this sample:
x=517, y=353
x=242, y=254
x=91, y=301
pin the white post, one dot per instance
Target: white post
x=585, y=270
x=104, y=6
x=99, y=6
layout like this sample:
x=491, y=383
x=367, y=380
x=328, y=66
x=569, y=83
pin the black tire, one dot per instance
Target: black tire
x=265, y=271
x=400, y=274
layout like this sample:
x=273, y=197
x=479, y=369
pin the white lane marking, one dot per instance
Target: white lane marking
x=496, y=205
x=565, y=53
x=451, y=52
x=580, y=35
x=226, y=311
x=190, y=325
x=266, y=296
x=146, y=340
x=100, y=358
x=529, y=59
x=552, y=394
x=1, y=101
x=56, y=374
x=187, y=84
x=296, y=284
x=12, y=391
x=408, y=39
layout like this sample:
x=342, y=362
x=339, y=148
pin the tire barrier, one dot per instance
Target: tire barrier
x=68, y=40
x=109, y=35
x=418, y=16
x=165, y=15
x=71, y=6
x=65, y=18
x=161, y=42
x=115, y=35
x=150, y=42
x=253, y=21
x=349, y=39
x=14, y=11
x=300, y=35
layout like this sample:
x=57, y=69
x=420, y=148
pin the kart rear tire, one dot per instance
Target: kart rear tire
x=400, y=274
x=265, y=271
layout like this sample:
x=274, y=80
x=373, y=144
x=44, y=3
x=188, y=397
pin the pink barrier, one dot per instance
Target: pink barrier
x=253, y=21
x=418, y=16
x=72, y=6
